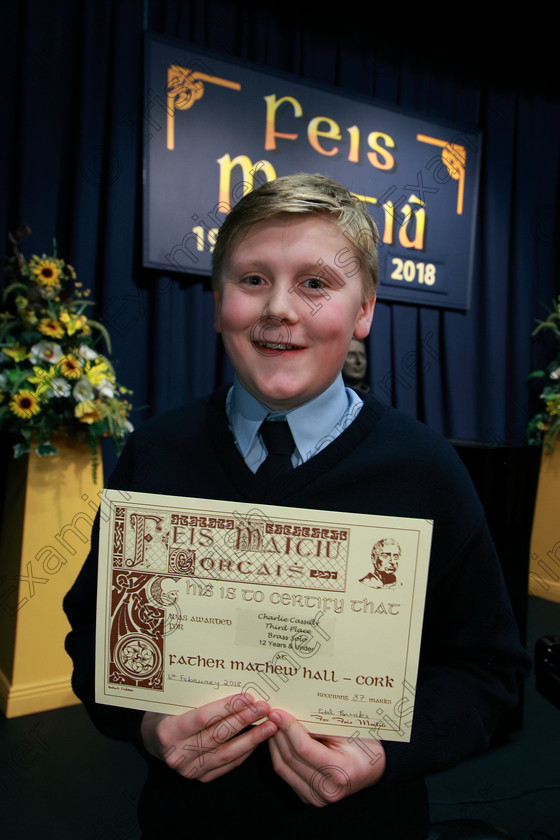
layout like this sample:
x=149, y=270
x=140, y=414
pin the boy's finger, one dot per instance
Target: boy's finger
x=209, y=762
x=293, y=739
x=215, y=772
x=239, y=709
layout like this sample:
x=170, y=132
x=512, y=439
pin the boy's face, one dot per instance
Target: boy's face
x=286, y=313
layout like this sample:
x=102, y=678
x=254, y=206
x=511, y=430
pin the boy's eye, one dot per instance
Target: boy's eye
x=314, y=283
x=253, y=280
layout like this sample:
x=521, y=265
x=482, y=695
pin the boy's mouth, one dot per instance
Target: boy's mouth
x=269, y=345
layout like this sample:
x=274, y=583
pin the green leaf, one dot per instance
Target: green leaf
x=18, y=378
x=21, y=449
x=46, y=448
x=12, y=286
x=7, y=328
x=82, y=305
x=103, y=332
x=30, y=337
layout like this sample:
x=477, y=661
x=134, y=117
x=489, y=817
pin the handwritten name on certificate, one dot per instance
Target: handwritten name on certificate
x=319, y=613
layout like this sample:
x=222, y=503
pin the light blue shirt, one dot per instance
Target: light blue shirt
x=313, y=425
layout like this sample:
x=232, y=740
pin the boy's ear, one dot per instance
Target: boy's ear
x=217, y=312
x=364, y=319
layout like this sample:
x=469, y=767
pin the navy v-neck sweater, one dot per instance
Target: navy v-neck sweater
x=471, y=664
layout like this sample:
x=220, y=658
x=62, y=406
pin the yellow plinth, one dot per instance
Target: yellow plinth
x=49, y=509
x=544, y=574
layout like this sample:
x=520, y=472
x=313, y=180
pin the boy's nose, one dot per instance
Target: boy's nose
x=282, y=303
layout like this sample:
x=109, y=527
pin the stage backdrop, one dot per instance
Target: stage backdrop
x=218, y=128
x=73, y=139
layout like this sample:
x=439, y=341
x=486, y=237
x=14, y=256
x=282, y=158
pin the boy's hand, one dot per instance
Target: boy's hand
x=205, y=743
x=323, y=769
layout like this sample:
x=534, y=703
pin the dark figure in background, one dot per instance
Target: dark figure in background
x=354, y=368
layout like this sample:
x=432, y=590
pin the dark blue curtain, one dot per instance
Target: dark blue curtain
x=73, y=133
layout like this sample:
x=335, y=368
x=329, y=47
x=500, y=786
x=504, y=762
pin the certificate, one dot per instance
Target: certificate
x=317, y=612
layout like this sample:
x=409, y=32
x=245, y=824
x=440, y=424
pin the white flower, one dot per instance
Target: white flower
x=3, y=381
x=60, y=387
x=128, y=427
x=87, y=353
x=106, y=389
x=82, y=390
x=46, y=351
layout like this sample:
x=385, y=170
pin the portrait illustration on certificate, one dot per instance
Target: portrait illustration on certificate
x=316, y=612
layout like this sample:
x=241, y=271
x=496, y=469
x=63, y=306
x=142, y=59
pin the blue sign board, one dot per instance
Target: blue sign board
x=216, y=128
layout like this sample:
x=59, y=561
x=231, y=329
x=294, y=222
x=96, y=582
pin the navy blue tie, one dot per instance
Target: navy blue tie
x=280, y=445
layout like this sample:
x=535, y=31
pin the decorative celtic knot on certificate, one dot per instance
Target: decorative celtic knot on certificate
x=137, y=656
x=137, y=630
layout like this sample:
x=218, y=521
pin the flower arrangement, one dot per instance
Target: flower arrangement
x=544, y=427
x=52, y=375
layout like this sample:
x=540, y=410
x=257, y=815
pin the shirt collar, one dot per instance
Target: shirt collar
x=245, y=416
x=310, y=424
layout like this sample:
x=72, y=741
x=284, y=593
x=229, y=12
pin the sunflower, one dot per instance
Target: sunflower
x=24, y=404
x=50, y=327
x=46, y=272
x=90, y=411
x=69, y=366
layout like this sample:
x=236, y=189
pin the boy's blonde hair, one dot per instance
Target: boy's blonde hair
x=306, y=194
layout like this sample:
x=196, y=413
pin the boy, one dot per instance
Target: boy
x=295, y=275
